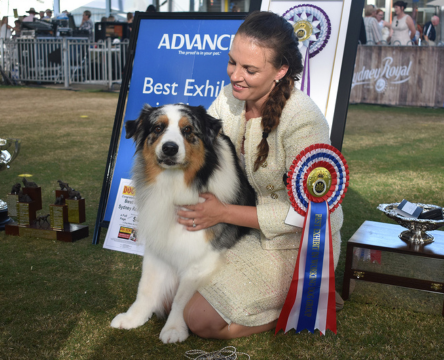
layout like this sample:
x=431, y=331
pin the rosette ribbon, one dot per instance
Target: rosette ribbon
x=312, y=27
x=316, y=184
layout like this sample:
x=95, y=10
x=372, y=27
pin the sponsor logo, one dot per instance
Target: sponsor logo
x=197, y=42
x=387, y=75
x=129, y=190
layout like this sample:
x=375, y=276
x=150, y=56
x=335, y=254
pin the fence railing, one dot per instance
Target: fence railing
x=64, y=60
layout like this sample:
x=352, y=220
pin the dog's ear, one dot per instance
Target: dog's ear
x=130, y=128
x=212, y=125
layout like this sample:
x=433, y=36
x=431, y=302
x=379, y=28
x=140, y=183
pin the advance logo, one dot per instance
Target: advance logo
x=196, y=42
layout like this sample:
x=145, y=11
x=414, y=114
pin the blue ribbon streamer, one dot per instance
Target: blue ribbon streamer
x=313, y=266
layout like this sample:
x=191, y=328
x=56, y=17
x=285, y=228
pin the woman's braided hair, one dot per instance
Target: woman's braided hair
x=271, y=31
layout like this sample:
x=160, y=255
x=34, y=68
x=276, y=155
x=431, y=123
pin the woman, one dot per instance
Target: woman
x=269, y=122
x=384, y=25
x=5, y=29
x=402, y=26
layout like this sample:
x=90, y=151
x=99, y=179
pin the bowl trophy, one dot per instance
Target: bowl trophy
x=9, y=149
x=417, y=228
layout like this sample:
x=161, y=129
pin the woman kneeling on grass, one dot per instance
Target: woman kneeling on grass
x=270, y=122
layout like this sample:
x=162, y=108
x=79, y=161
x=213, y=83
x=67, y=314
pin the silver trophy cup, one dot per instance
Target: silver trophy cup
x=9, y=149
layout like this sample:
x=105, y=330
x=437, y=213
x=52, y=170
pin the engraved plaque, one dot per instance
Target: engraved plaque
x=58, y=216
x=12, y=200
x=76, y=210
x=23, y=213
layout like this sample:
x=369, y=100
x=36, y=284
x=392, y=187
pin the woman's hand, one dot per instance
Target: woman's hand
x=202, y=215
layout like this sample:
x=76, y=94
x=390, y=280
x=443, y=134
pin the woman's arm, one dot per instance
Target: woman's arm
x=411, y=26
x=212, y=212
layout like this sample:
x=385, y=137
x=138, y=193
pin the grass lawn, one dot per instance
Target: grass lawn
x=57, y=299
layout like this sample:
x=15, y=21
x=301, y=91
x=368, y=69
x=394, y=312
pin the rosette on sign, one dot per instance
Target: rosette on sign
x=316, y=183
x=312, y=28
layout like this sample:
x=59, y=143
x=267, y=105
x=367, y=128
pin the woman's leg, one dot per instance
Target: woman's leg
x=204, y=321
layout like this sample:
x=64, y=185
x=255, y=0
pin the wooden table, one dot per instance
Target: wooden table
x=384, y=237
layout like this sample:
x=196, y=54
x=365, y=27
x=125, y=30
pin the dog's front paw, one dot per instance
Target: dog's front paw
x=174, y=333
x=127, y=321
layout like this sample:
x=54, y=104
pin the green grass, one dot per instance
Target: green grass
x=57, y=299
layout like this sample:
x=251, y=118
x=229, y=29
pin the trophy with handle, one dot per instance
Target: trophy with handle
x=9, y=149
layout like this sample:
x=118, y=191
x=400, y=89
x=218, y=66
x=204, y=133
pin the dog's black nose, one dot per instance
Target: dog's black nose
x=170, y=148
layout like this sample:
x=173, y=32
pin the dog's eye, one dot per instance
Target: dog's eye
x=158, y=129
x=187, y=130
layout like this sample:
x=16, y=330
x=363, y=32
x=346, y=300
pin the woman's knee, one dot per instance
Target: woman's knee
x=202, y=319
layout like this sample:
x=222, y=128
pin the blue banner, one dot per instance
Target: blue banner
x=176, y=60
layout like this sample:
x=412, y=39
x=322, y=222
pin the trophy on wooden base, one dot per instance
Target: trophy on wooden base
x=64, y=218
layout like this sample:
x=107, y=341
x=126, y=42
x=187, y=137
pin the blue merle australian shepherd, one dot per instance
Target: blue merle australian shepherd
x=180, y=153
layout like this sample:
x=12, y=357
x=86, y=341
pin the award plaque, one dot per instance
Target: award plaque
x=59, y=216
x=76, y=210
x=12, y=201
x=62, y=223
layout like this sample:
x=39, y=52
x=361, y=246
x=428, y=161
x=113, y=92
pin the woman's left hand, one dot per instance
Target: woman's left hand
x=202, y=215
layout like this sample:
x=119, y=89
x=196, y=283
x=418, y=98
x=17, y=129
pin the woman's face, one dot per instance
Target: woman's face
x=398, y=9
x=251, y=72
x=379, y=16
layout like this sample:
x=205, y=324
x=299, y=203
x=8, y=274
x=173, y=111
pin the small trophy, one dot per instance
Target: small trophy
x=9, y=149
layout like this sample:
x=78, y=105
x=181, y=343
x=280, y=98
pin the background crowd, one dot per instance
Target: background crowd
x=403, y=30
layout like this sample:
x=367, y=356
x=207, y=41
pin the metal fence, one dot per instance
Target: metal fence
x=64, y=60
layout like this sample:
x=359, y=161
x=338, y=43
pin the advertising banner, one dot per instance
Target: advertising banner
x=176, y=60
x=399, y=76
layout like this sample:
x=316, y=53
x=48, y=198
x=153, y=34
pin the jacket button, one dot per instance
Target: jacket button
x=270, y=187
x=274, y=196
x=264, y=164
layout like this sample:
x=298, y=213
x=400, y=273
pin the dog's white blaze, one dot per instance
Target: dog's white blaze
x=172, y=132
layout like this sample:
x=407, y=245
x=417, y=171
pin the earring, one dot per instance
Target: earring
x=277, y=81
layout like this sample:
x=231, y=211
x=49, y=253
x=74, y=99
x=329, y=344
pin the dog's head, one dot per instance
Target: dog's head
x=173, y=136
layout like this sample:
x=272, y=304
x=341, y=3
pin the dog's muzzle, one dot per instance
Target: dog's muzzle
x=169, y=150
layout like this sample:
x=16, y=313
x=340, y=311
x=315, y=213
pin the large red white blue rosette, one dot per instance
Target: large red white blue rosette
x=313, y=29
x=316, y=183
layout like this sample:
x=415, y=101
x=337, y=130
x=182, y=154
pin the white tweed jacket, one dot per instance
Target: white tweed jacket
x=301, y=124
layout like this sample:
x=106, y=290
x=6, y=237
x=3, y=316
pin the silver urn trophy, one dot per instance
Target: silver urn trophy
x=9, y=149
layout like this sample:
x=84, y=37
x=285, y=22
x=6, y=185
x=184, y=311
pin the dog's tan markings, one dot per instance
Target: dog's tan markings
x=152, y=168
x=195, y=159
x=195, y=153
x=209, y=235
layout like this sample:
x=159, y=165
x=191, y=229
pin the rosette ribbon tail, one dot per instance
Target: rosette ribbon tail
x=310, y=302
x=305, y=84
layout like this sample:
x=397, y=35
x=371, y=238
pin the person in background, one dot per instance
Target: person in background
x=402, y=25
x=104, y=19
x=429, y=30
x=111, y=18
x=48, y=15
x=235, y=8
x=151, y=8
x=372, y=29
x=384, y=25
x=31, y=16
x=418, y=35
x=42, y=15
x=87, y=24
x=5, y=29
x=129, y=17
x=17, y=29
